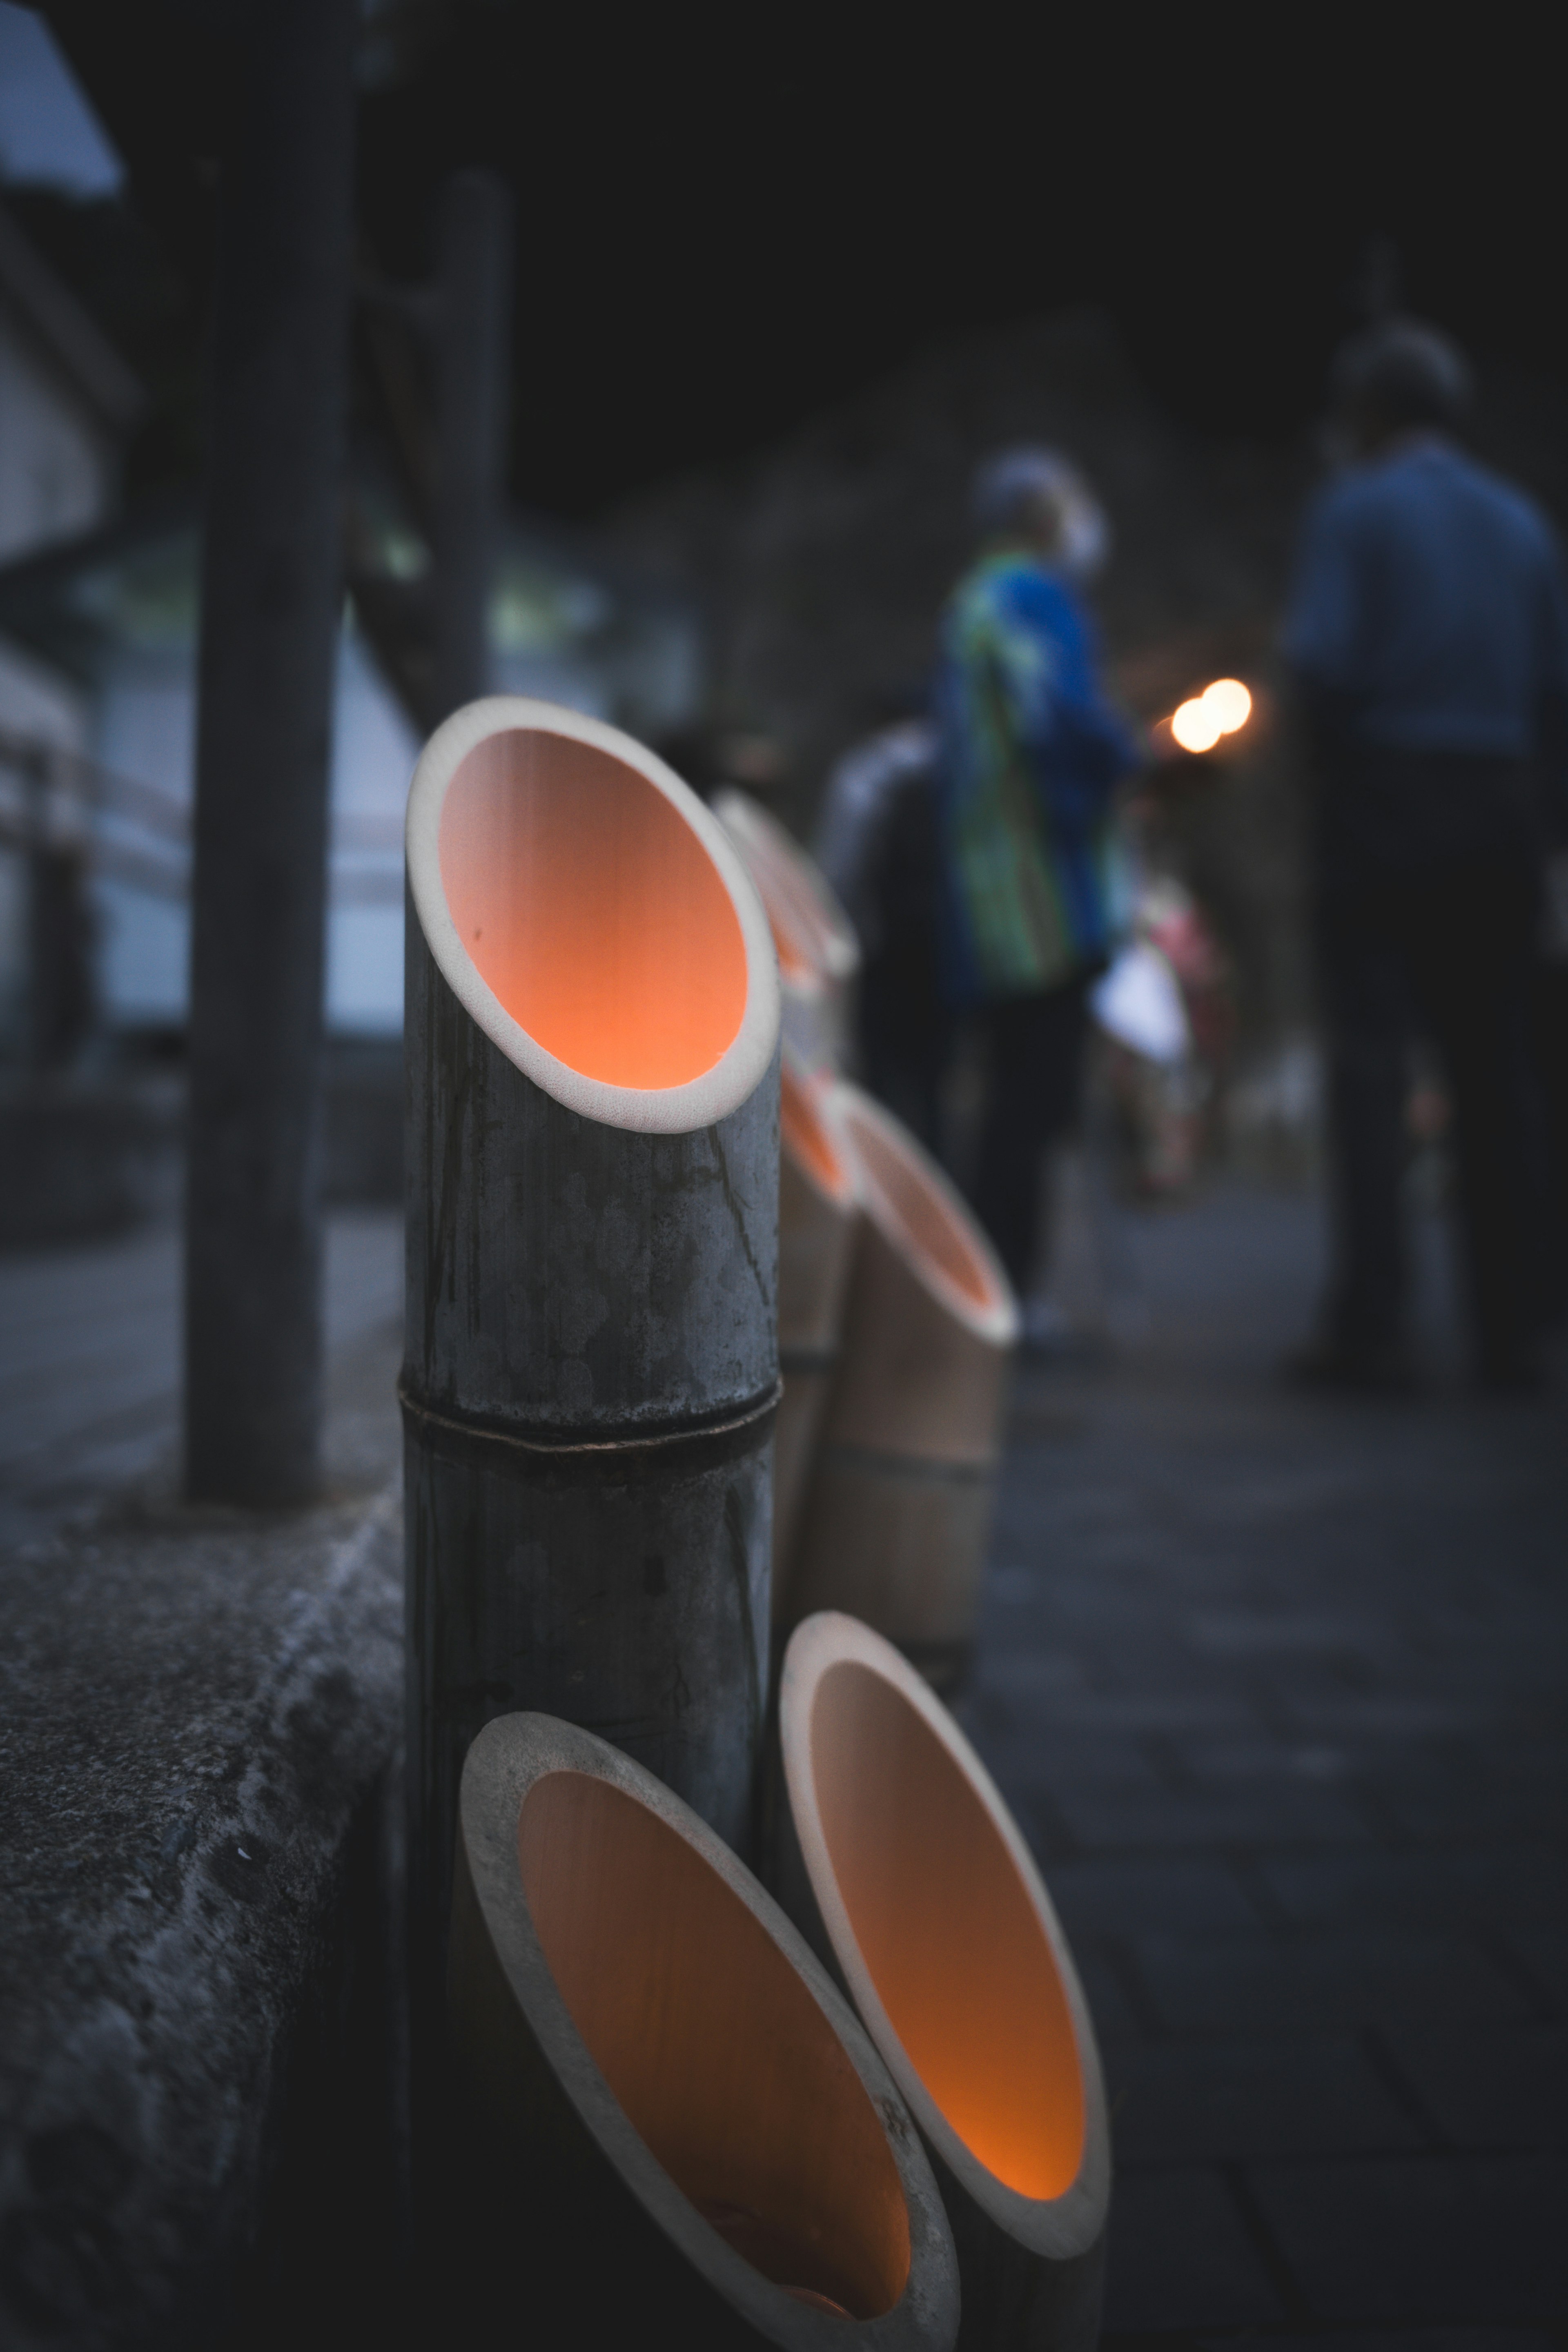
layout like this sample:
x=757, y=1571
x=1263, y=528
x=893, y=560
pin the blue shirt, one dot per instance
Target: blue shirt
x=1030, y=753
x=1428, y=605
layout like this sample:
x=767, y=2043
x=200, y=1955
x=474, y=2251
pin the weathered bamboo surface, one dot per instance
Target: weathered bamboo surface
x=818, y=1211
x=670, y=2126
x=899, y=1509
x=905, y=1871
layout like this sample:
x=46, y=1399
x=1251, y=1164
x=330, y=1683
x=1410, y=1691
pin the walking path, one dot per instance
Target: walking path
x=1276, y=1686
x=89, y=1361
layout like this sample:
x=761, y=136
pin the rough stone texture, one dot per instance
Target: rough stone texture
x=1276, y=1684
x=199, y=1717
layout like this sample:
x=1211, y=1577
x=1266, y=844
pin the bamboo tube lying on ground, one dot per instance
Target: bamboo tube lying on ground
x=898, y=1506
x=671, y=2128
x=818, y=952
x=591, y=1372
x=817, y=1213
x=904, y=1869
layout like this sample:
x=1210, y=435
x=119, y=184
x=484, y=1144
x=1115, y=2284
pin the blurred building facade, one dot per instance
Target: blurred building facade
x=99, y=626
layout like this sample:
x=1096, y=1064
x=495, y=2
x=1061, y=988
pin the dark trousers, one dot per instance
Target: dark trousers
x=1035, y=1083
x=1450, y=948
x=904, y=1041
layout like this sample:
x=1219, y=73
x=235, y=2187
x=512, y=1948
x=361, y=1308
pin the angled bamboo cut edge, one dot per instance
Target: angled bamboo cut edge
x=819, y=1206
x=904, y=1869
x=669, y=2125
x=818, y=952
x=590, y=1369
x=897, y=1510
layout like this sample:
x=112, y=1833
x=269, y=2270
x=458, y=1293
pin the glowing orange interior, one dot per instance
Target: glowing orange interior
x=712, y=2044
x=948, y=1933
x=926, y=1218
x=790, y=904
x=592, y=910
x=806, y=1136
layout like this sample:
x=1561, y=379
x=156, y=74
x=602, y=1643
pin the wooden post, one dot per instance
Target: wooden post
x=674, y=2129
x=591, y=1376
x=906, y=1874
x=270, y=597
x=473, y=340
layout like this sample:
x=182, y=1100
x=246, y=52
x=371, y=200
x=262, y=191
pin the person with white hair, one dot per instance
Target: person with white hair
x=1030, y=755
x=1427, y=631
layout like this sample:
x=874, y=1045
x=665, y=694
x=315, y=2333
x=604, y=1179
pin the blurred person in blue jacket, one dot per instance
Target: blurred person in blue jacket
x=1030, y=755
x=1428, y=633
x=875, y=842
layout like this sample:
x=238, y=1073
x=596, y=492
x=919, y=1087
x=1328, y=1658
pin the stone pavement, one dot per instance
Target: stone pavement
x=1276, y=1685
x=199, y=1716
x=90, y=1366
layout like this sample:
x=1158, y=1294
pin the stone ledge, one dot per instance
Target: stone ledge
x=199, y=2136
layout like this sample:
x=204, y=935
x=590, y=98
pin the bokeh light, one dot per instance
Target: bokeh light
x=1195, y=727
x=1229, y=702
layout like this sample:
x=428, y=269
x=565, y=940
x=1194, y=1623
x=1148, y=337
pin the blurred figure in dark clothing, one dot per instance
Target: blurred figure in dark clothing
x=1031, y=753
x=877, y=845
x=1428, y=635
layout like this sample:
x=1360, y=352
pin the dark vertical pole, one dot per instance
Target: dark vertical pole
x=272, y=588
x=474, y=333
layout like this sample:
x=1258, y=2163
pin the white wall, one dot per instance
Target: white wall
x=146, y=730
x=56, y=464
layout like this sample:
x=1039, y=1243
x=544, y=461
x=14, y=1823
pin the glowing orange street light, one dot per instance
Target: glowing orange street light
x=1230, y=703
x=1195, y=727
x=1221, y=709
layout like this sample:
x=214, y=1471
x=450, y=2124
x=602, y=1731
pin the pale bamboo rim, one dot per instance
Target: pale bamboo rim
x=984, y=1303
x=1058, y=2227
x=510, y=1757
x=698, y=1102
x=801, y=902
x=827, y=1162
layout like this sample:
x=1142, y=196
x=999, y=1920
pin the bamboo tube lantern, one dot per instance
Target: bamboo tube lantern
x=818, y=952
x=591, y=1375
x=818, y=1208
x=907, y=1873
x=674, y=2129
x=899, y=1509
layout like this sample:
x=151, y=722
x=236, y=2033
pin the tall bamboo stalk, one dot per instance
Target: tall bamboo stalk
x=896, y=1518
x=591, y=1372
x=818, y=1211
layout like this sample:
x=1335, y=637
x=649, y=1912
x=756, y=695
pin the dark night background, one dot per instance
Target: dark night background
x=724, y=227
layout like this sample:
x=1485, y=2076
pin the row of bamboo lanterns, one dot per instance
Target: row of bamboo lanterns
x=662, y=2102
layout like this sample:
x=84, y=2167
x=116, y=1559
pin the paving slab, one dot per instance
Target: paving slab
x=1275, y=1683
x=1267, y=1984
x=1487, y=2088
x=1524, y=1886
x=1438, y=2238
x=1230, y=2100
x=1181, y=2257
x=1397, y=2339
x=1126, y=1897
x=1299, y=1813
